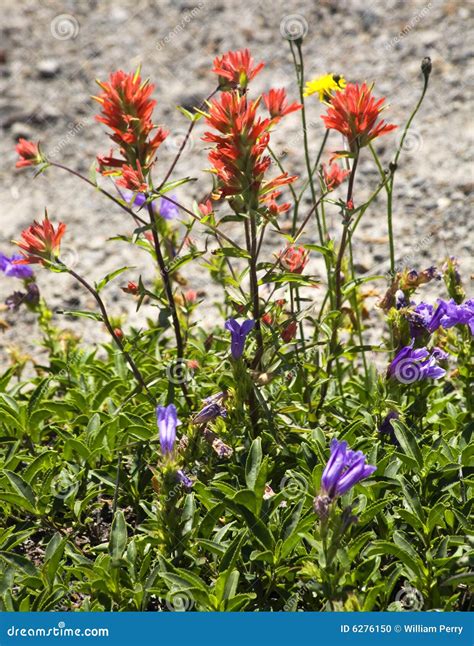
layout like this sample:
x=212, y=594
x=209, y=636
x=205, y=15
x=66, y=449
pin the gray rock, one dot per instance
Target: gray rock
x=20, y=129
x=48, y=68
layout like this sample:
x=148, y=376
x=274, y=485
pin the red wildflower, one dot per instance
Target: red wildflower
x=131, y=288
x=29, y=153
x=236, y=69
x=334, y=175
x=127, y=110
x=354, y=113
x=133, y=179
x=190, y=296
x=118, y=332
x=273, y=207
x=289, y=332
x=277, y=105
x=193, y=364
x=239, y=158
x=205, y=208
x=294, y=259
x=267, y=318
x=40, y=242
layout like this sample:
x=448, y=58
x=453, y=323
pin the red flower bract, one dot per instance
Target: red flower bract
x=127, y=110
x=289, y=332
x=294, y=259
x=277, y=105
x=236, y=69
x=239, y=159
x=334, y=175
x=354, y=113
x=29, y=153
x=40, y=242
x=133, y=179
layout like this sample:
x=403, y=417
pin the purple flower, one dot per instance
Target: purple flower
x=410, y=365
x=419, y=319
x=168, y=210
x=12, y=270
x=449, y=313
x=183, y=478
x=132, y=198
x=345, y=468
x=167, y=419
x=209, y=412
x=239, y=334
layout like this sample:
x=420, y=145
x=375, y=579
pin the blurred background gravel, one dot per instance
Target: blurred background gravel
x=51, y=52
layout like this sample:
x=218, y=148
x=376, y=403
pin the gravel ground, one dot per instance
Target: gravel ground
x=52, y=51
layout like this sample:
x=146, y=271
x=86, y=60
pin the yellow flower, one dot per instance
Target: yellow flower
x=325, y=85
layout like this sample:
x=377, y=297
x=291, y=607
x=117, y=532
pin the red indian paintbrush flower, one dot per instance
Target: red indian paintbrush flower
x=334, y=175
x=294, y=259
x=276, y=102
x=239, y=158
x=133, y=179
x=236, y=69
x=354, y=112
x=289, y=332
x=29, y=153
x=40, y=242
x=127, y=110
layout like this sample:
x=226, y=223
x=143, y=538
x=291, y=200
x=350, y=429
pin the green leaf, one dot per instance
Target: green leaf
x=407, y=441
x=18, y=561
x=252, y=465
x=118, y=536
x=22, y=487
x=113, y=274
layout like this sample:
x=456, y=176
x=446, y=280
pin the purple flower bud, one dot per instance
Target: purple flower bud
x=410, y=365
x=168, y=210
x=209, y=412
x=183, y=478
x=238, y=335
x=167, y=419
x=12, y=270
x=386, y=426
x=345, y=468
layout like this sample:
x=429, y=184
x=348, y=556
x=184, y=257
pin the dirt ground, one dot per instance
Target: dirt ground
x=51, y=52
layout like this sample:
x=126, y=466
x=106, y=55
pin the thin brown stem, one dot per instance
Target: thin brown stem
x=184, y=142
x=137, y=218
x=169, y=295
x=118, y=341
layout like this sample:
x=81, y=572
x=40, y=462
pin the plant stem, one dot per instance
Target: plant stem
x=393, y=165
x=169, y=295
x=137, y=218
x=184, y=142
x=338, y=285
x=136, y=372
